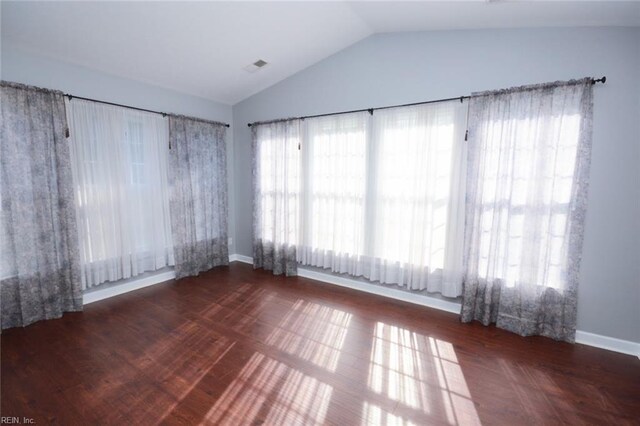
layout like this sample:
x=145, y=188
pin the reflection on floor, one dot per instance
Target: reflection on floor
x=288, y=395
x=313, y=332
x=421, y=373
x=236, y=346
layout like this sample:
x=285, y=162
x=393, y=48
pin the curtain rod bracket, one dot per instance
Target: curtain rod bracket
x=370, y=111
x=599, y=80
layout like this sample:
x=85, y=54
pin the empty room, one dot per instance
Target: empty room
x=320, y=212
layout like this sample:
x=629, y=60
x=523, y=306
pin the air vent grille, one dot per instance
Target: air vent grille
x=255, y=66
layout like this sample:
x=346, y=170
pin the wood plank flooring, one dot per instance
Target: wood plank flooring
x=237, y=346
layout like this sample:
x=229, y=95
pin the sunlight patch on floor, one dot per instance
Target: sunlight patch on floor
x=374, y=415
x=269, y=391
x=312, y=332
x=421, y=373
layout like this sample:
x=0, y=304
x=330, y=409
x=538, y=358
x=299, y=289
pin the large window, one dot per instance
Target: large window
x=529, y=154
x=119, y=159
x=278, y=156
x=335, y=165
x=380, y=195
x=527, y=198
x=418, y=168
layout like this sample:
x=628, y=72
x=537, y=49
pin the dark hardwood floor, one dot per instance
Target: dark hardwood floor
x=237, y=346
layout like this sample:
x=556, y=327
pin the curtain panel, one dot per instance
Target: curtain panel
x=198, y=194
x=276, y=195
x=335, y=150
x=40, y=260
x=119, y=162
x=419, y=168
x=528, y=168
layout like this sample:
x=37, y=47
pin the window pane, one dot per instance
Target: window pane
x=337, y=183
x=119, y=160
x=414, y=154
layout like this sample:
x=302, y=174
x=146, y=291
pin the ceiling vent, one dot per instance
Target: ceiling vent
x=255, y=66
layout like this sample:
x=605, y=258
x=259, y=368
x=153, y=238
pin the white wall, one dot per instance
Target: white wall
x=22, y=66
x=399, y=68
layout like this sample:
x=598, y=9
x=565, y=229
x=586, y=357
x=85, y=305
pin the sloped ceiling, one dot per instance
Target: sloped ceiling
x=201, y=48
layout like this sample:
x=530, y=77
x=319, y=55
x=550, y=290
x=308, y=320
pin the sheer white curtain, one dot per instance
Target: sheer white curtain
x=529, y=154
x=119, y=163
x=277, y=197
x=334, y=155
x=417, y=231
x=384, y=195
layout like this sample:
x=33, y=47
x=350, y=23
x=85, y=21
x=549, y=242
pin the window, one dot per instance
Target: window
x=379, y=195
x=526, y=197
x=335, y=161
x=136, y=145
x=415, y=157
x=279, y=181
x=119, y=159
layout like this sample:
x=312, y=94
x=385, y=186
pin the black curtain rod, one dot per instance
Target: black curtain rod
x=164, y=114
x=370, y=110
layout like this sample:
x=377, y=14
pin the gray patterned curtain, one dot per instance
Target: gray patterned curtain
x=39, y=255
x=198, y=195
x=528, y=169
x=277, y=178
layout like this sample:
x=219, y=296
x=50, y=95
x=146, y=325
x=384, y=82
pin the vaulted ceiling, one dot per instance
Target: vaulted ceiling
x=202, y=48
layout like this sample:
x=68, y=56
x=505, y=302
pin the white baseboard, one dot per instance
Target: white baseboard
x=131, y=285
x=582, y=337
x=609, y=343
x=418, y=299
x=240, y=258
x=92, y=296
x=431, y=302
